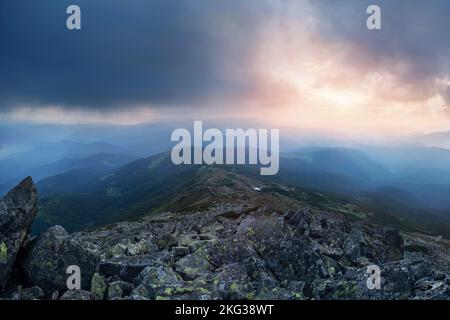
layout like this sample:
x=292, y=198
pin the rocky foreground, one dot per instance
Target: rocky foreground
x=230, y=251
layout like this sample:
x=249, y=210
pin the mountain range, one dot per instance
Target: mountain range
x=148, y=229
x=150, y=185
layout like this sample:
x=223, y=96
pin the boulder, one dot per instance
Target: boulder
x=34, y=293
x=194, y=265
x=127, y=267
x=396, y=284
x=17, y=211
x=99, y=285
x=433, y=288
x=155, y=279
x=118, y=289
x=48, y=256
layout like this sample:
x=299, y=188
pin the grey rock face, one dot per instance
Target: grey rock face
x=17, y=211
x=48, y=257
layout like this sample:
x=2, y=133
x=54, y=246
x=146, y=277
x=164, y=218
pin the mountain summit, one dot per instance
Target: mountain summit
x=258, y=242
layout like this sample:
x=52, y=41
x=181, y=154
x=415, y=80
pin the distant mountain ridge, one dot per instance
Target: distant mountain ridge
x=151, y=185
x=34, y=160
x=436, y=139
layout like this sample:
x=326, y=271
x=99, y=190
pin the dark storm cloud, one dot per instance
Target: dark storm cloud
x=185, y=52
x=159, y=52
x=413, y=43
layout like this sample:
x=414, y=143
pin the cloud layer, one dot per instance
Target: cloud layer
x=140, y=52
x=413, y=44
x=295, y=59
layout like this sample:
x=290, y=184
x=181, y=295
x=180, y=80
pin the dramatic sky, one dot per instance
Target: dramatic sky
x=297, y=63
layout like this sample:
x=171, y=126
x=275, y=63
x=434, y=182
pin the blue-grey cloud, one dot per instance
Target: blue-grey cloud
x=177, y=52
x=157, y=52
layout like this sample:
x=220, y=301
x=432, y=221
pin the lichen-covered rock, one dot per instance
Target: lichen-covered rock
x=236, y=250
x=17, y=211
x=99, y=286
x=127, y=268
x=144, y=290
x=136, y=297
x=396, y=283
x=118, y=290
x=303, y=254
x=76, y=295
x=432, y=288
x=180, y=251
x=194, y=265
x=234, y=283
x=156, y=279
x=34, y=293
x=48, y=257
